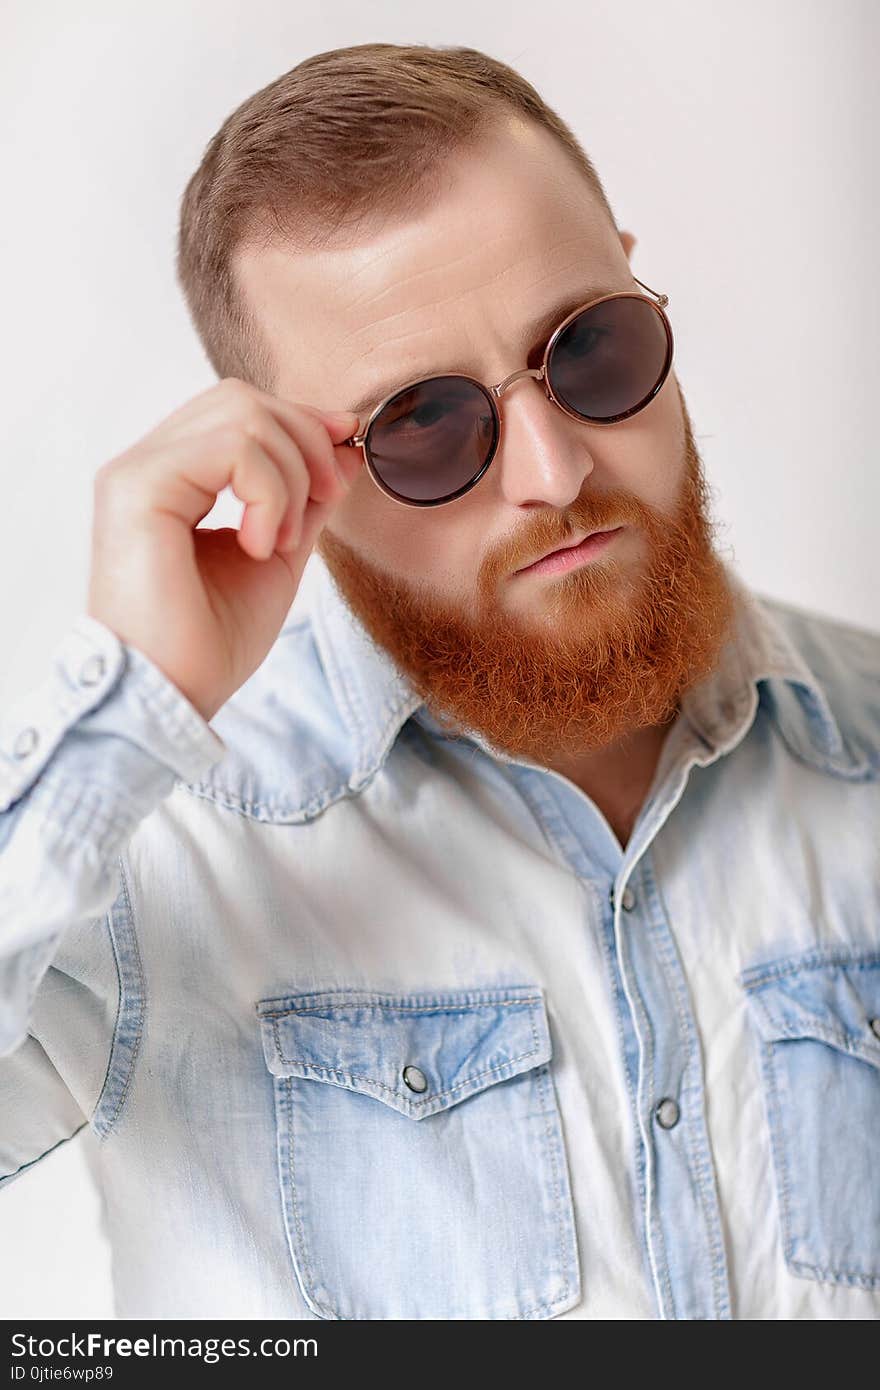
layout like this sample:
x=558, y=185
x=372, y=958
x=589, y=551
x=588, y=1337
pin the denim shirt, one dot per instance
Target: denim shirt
x=371, y=1021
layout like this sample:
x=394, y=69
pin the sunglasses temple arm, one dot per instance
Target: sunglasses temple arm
x=662, y=299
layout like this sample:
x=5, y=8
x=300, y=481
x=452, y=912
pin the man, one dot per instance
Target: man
x=508, y=948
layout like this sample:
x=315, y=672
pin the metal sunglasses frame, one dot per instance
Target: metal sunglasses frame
x=493, y=395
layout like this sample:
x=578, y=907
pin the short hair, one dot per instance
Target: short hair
x=343, y=141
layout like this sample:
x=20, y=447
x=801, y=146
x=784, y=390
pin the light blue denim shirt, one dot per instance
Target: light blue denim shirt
x=375, y=1022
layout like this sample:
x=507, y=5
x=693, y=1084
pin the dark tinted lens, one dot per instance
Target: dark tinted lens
x=432, y=439
x=611, y=359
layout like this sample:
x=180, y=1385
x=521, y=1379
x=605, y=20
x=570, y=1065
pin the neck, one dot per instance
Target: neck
x=617, y=778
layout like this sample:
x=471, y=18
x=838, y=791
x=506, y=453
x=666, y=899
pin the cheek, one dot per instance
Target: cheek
x=428, y=548
x=672, y=433
x=361, y=516
x=419, y=544
x=655, y=464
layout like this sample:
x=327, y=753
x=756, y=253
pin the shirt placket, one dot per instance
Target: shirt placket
x=675, y=1178
x=681, y=1215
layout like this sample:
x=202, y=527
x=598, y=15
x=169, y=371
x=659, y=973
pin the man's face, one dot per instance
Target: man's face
x=538, y=663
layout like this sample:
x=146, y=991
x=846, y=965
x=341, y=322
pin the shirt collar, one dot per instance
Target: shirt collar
x=375, y=698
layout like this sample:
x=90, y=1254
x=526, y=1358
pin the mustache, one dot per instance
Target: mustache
x=549, y=532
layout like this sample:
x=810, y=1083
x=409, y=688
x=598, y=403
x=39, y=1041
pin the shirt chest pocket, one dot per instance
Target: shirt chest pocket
x=420, y=1154
x=817, y=1017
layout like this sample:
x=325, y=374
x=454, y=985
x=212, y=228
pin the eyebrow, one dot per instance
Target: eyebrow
x=537, y=335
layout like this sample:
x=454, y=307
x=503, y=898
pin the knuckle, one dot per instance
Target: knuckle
x=279, y=487
x=233, y=389
x=226, y=435
x=255, y=458
x=235, y=440
x=301, y=481
x=315, y=442
x=250, y=420
x=309, y=432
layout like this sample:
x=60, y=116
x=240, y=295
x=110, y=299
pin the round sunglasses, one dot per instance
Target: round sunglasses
x=432, y=440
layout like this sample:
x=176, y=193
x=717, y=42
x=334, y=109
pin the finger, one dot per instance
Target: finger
x=321, y=436
x=198, y=467
x=296, y=434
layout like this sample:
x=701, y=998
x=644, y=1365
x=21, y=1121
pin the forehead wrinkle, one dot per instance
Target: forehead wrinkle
x=442, y=270
x=428, y=270
x=376, y=389
x=596, y=274
x=433, y=304
x=414, y=332
x=429, y=304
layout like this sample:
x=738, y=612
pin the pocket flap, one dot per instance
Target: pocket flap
x=831, y=994
x=450, y=1045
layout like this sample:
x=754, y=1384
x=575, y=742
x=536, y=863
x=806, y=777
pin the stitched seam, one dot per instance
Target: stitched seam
x=774, y=1110
x=780, y=1129
x=374, y=1003
x=308, y=1270
x=552, y=1108
x=31, y=1161
x=862, y=1281
x=861, y=1051
x=654, y=1229
x=756, y=977
x=309, y=1277
x=108, y=922
x=269, y=811
x=695, y=1143
x=136, y=1042
x=607, y=947
x=137, y=1039
x=412, y=1104
x=542, y=1078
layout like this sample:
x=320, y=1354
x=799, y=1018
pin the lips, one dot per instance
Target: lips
x=569, y=545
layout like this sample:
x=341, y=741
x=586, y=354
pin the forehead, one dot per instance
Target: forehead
x=514, y=228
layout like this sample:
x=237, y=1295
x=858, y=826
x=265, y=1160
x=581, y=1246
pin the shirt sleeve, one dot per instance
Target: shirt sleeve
x=38, y=1111
x=84, y=758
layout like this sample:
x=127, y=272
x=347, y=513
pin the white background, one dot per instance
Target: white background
x=737, y=141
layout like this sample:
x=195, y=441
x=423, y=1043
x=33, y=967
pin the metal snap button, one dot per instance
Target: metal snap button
x=667, y=1112
x=875, y=1026
x=25, y=743
x=628, y=901
x=415, y=1079
x=92, y=669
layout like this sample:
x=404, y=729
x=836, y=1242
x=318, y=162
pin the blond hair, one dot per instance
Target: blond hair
x=343, y=140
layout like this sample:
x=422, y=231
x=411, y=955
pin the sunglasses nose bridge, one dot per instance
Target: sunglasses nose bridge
x=536, y=372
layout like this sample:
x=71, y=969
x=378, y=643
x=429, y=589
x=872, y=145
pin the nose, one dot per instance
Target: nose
x=543, y=456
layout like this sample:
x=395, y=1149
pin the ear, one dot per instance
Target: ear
x=627, y=241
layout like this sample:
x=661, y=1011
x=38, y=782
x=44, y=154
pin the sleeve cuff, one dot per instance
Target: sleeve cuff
x=103, y=685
